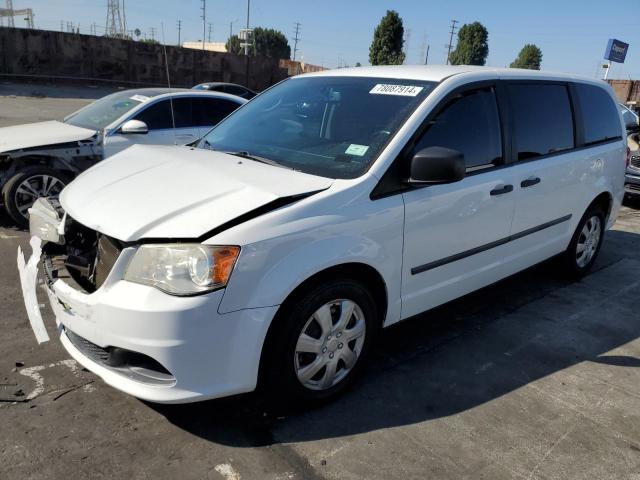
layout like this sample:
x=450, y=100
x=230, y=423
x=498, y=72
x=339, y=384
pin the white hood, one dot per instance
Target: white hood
x=41, y=134
x=176, y=192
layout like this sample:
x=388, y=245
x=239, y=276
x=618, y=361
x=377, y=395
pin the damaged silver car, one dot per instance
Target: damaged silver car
x=39, y=159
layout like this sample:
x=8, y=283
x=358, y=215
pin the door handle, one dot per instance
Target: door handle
x=501, y=190
x=530, y=182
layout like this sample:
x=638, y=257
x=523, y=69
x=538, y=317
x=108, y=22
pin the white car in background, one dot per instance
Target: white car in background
x=39, y=159
x=329, y=206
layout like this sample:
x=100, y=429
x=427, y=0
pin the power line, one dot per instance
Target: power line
x=450, y=45
x=295, y=40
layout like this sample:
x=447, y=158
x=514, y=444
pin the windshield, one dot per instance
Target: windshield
x=105, y=111
x=329, y=126
x=629, y=117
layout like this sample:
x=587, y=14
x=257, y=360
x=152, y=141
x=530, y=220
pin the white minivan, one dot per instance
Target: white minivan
x=331, y=205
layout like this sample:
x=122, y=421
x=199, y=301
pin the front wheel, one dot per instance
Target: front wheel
x=585, y=243
x=26, y=186
x=320, y=342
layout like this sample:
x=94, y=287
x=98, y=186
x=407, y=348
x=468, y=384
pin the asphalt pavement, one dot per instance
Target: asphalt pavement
x=535, y=377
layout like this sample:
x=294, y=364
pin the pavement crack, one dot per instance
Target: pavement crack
x=72, y=389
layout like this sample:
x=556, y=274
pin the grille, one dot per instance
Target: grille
x=106, y=256
x=134, y=365
x=90, y=256
x=91, y=350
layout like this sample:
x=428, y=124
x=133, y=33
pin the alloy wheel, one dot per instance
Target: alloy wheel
x=33, y=187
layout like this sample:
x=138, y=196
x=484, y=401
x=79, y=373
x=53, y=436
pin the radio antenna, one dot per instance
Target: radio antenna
x=166, y=65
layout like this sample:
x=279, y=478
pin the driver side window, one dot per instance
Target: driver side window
x=469, y=123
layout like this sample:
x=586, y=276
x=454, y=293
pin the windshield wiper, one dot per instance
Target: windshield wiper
x=248, y=156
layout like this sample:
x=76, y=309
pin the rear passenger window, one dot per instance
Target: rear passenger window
x=469, y=124
x=599, y=114
x=542, y=119
x=212, y=110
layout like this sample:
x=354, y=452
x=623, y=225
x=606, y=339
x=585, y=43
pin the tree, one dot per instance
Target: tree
x=271, y=43
x=529, y=57
x=473, y=47
x=267, y=42
x=358, y=64
x=233, y=45
x=386, y=47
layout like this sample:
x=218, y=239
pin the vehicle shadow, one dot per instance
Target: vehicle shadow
x=8, y=223
x=632, y=201
x=452, y=359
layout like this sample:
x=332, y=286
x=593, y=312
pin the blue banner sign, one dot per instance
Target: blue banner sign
x=616, y=51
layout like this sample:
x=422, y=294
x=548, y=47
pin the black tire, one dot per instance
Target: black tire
x=14, y=201
x=279, y=380
x=574, y=265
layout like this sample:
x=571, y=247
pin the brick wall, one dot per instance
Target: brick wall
x=626, y=90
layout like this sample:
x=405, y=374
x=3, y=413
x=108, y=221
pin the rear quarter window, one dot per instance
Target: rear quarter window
x=600, y=117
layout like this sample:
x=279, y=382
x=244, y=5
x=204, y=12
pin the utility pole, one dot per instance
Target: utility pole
x=62, y=25
x=124, y=22
x=426, y=58
x=204, y=21
x=407, y=41
x=179, y=30
x=246, y=42
x=450, y=45
x=153, y=33
x=295, y=40
x=210, y=32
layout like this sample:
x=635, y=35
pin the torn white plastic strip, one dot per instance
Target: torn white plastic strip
x=401, y=90
x=28, y=278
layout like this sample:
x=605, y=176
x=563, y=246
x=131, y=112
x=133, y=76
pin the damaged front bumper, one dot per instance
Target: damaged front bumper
x=152, y=345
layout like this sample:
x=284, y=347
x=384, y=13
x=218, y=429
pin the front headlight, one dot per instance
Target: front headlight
x=182, y=269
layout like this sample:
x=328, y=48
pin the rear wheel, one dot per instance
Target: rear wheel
x=585, y=243
x=26, y=186
x=320, y=342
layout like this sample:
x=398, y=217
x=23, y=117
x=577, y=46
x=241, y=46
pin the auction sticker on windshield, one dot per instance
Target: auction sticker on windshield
x=358, y=150
x=139, y=98
x=403, y=90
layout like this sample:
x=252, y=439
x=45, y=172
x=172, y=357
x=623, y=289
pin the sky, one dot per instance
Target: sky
x=571, y=33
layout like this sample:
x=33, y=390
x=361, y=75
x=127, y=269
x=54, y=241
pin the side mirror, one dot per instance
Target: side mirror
x=134, y=126
x=435, y=165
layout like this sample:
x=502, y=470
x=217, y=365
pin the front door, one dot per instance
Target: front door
x=454, y=234
x=160, y=123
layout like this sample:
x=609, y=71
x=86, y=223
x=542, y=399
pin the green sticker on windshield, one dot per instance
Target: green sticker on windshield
x=355, y=149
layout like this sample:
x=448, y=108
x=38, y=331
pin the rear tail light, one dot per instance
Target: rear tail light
x=628, y=156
